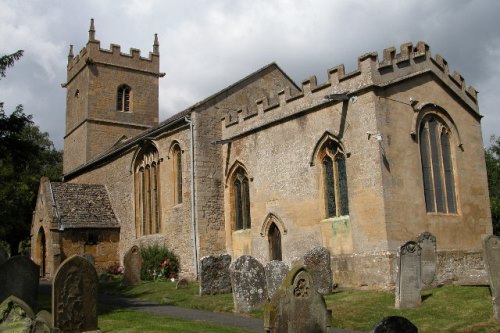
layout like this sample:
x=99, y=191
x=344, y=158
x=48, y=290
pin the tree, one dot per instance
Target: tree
x=492, y=156
x=26, y=154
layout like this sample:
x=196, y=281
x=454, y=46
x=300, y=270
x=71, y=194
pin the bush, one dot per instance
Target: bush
x=158, y=262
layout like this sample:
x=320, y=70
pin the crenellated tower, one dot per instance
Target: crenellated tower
x=110, y=97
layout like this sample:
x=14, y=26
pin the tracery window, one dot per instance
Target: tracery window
x=335, y=180
x=241, y=197
x=177, y=174
x=123, y=98
x=437, y=166
x=147, y=192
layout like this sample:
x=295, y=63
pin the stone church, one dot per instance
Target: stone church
x=359, y=164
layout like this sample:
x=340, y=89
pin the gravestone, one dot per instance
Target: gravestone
x=19, y=276
x=214, y=275
x=317, y=263
x=428, y=258
x=182, y=284
x=297, y=307
x=74, y=296
x=43, y=322
x=90, y=258
x=275, y=274
x=394, y=324
x=4, y=256
x=408, y=284
x=15, y=316
x=248, y=279
x=491, y=247
x=132, y=265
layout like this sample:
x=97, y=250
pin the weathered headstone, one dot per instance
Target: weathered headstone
x=297, y=307
x=132, y=264
x=317, y=263
x=394, y=324
x=182, y=284
x=19, y=276
x=4, y=256
x=90, y=258
x=214, y=275
x=276, y=272
x=491, y=247
x=427, y=242
x=15, y=316
x=74, y=296
x=248, y=279
x=43, y=323
x=408, y=284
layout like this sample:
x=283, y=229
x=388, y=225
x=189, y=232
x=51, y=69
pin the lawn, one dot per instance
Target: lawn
x=461, y=309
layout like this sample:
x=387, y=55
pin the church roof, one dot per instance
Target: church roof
x=83, y=206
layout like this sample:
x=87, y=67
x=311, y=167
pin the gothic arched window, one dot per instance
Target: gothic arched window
x=437, y=166
x=177, y=173
x=147, y=191
x=123, y=98
x=334, y=180
x=241, y=195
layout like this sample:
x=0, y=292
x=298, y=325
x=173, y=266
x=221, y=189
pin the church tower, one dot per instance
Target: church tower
x=110, y=96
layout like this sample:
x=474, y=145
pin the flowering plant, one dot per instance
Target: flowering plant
x=169, y=269
x=115, y=269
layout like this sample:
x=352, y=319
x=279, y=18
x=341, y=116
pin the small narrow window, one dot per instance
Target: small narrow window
x=437, y=166
x=123, y=98
x=177, y=174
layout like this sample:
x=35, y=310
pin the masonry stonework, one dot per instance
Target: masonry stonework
x=275, y=133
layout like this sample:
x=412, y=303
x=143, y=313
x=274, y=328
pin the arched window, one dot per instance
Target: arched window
x=437, y=166
x=274, y=237
x=334, y=179
x=147, y=191
x=177, y=173
x=241, y=195
x=123, y=98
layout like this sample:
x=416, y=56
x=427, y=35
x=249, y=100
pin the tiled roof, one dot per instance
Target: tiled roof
x=83, y=206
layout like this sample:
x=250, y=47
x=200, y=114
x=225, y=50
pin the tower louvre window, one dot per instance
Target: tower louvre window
x=123, y=98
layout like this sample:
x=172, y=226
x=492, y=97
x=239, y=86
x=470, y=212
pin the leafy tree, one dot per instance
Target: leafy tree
x=26, y=154
x=492, y=156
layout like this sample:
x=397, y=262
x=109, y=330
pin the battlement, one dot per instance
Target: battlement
x=92, y=53
x=410, y=61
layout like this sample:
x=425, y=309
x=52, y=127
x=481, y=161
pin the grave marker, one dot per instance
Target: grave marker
x=276, y=272
x=297, y=307
x=74, y=296
x=317, y=263
x=214, y=275
x=248, y=279
x=182, y=284
x=132, y=265
x=394, y=324
x=491, y=247
x=15, y=316
x=4, y=256
x=19, y=276
x=408, y=284
x=427, y=242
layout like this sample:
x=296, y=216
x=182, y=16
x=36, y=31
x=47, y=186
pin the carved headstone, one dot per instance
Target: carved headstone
x=15, y=316
x=394, y=324
x=43, y=323
x=297, y=306
x=428, y=258
x=19, y=276
x=182, y=284
x=491, y=247
x=74, y=296
x=90, y=258
x=276, y=272
x=132, y=263
x=248, y=279
x=214, y=275
x=317, y=263
x=408, y=284
x=4, y=256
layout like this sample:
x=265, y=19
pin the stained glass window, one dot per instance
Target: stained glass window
x=241, y=200
x=335, y=180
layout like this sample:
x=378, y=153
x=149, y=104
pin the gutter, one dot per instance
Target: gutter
x=194, y=226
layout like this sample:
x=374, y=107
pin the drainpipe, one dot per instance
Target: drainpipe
x=193, y=204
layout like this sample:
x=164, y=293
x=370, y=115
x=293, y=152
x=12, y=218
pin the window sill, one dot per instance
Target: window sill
x=336, y=219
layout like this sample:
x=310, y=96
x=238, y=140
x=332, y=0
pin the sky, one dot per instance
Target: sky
x=208, y=45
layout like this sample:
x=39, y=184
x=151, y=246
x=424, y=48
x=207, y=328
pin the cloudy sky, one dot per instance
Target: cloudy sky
x=207, y=45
